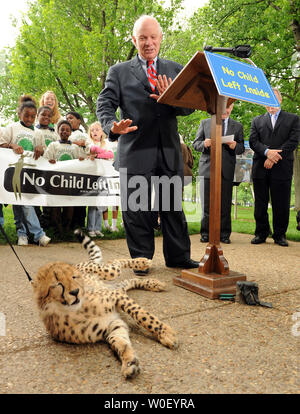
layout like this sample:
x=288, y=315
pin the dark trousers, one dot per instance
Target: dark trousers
x=61, y=218
x=140, y=215
x=79, y=216
x=1, y=215
x=280, y=193
x=226, y=202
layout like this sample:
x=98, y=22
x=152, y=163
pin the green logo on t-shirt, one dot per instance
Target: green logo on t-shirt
x=65, y=157
x=26, y=144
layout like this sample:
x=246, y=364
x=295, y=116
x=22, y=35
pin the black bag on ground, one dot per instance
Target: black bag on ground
x=247, y=292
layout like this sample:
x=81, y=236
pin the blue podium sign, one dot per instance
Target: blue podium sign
x=240, y=81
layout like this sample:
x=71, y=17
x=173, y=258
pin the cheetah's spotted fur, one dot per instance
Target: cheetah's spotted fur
x=77, y=307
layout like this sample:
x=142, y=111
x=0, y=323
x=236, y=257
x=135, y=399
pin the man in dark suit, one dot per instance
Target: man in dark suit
x=273, y=137
x=148, y=146
x=230, y=149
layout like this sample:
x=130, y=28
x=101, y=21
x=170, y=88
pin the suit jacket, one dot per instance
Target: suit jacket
x=228, y=155
x=188, y=160
x=128, y=88
x=284, y=136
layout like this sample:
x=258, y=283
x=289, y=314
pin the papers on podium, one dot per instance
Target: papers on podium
x=227, y=138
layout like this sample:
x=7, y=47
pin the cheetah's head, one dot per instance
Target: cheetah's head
x=58, y=283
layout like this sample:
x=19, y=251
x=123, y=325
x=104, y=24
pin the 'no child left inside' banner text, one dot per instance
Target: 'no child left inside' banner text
x=240, y=81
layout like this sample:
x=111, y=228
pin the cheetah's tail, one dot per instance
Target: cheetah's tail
x=94, y=251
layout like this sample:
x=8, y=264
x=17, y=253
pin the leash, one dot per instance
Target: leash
x=8, y=241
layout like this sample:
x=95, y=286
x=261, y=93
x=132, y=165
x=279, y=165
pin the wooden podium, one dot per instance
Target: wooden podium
x=194, y=87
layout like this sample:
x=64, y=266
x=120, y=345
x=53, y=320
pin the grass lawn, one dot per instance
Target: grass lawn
x=244, y=223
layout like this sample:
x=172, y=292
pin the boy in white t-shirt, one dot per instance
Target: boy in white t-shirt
x=81, y=139
x=22, y=136
x=48, y=133
x=62, y=150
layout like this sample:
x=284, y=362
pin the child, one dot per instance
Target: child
x=62, y=150
x=97, y=136
x=78, y=137
x=81, y=139
x=111, y=145
x=21, y=136
x=48, y=133
x=49, y=99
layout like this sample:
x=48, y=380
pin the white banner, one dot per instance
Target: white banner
x=26, y=181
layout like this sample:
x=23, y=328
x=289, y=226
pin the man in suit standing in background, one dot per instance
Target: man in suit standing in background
x=273, y=138
x=148, y=146
x=202, y=143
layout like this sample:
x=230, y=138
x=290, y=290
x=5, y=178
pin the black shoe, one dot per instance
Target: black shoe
x=281, y=241
x=186, y=264
x=204, y=239
x=225, y=240
x=141, y=272
x=258, y=240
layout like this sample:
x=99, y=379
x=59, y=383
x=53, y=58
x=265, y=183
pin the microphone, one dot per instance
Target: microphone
x=242, y=51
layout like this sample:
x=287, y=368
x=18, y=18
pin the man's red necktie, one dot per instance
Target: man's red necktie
x=151, y=73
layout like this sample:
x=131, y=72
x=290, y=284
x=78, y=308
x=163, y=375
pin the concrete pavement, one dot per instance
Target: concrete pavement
x=224, y=347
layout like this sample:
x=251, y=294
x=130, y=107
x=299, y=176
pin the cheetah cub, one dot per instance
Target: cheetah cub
x=77, y=306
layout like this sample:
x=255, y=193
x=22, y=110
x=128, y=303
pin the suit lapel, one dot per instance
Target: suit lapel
x=279, y=119
x=268, y=121
x=139, y=73
x=230, y=127
x=162, y=67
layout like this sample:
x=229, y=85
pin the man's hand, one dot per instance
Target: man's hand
x=273, y=155
x=123, y=127
x=207, y=143
x=162, y=83
x=231, y=144
x=268, y=164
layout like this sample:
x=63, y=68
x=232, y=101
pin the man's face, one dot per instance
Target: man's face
x=148, y=39
x=273, y=110
x=228, y=111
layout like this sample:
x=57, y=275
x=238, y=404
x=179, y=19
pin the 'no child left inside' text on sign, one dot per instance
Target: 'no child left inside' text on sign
x=240, y=80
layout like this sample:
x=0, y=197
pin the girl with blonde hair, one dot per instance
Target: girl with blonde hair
x=100, y=149
x=49, y=99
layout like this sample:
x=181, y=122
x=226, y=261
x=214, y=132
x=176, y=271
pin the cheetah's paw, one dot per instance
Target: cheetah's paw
x=168, y=338
x=130, y=369
x=141, y=263
x=156, y=285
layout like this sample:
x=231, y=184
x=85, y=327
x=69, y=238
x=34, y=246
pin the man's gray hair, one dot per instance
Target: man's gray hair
x=278, y=92
x=140, y=20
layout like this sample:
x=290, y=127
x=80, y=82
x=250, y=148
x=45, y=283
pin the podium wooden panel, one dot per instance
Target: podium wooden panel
x=208, y=285
x=194, y=87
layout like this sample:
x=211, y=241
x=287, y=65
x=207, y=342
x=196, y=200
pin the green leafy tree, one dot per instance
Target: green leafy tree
x=272, y=28
x=67, y=46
